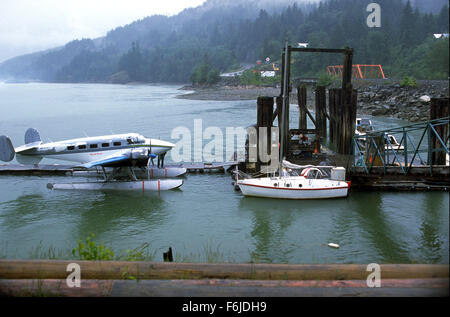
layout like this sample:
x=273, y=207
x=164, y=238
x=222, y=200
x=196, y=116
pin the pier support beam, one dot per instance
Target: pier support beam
x=342, y=105
x=301, y=97
x=264, y=120
x=321, y=111
x=439, y=108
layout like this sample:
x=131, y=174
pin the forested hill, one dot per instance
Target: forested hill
x=228, y=33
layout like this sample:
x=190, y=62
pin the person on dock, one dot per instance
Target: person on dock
x=161, y=160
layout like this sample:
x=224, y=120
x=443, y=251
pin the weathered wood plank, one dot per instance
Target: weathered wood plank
x=223, y=288
x=56, y=269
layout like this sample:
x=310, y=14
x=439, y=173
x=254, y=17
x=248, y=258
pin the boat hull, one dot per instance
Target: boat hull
x=310, y=189
x=144, y=185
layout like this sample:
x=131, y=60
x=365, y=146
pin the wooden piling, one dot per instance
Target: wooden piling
x=301, y=98
x=335, y=101
x=348, y=121
x=439, y=108
x=321, y=119
x=264, y=120
x=279, y=101
x=342, y=106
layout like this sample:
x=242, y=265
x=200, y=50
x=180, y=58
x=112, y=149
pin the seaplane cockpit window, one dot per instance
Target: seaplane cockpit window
x=105, y=144
x=117, y=143
x=71, y=147
x=82, y=146
x=135, y=140
x=93, y=146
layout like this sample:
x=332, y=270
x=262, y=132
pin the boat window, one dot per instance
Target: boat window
x=105, y=144
x=275, y=184
x=117, y=143
x=71, y=147
x=82, y=146
x=93, y=146
x=300, y=185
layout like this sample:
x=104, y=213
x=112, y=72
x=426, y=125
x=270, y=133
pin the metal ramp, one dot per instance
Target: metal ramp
x=424, y=144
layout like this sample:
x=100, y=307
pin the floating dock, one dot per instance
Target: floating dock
x=392, y=178
x=20, y=169
x=68, y=170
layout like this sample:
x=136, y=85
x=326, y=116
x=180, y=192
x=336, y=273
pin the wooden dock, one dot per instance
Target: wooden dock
x=56, y=169
x=208, y=167
x=122, y=278
x=391, y=178
x=21, y=169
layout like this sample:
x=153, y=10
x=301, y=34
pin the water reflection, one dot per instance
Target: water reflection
x=108, y=215
x=121, y=213
x=270, y=222
x=384, y=242
x=25, y=208
x=430, y=229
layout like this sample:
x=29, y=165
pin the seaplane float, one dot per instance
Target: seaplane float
x=119, y=156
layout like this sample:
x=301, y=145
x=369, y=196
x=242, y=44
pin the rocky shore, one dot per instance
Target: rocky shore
x=385, y=98
x=407, y=103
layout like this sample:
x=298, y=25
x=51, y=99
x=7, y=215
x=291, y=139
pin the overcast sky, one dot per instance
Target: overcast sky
x=31, y=25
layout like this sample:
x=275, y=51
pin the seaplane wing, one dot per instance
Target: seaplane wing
x=111, y=159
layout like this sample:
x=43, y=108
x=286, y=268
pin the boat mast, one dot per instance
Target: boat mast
x=285, y=99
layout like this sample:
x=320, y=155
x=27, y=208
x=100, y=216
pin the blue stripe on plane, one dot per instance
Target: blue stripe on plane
x=106, y=161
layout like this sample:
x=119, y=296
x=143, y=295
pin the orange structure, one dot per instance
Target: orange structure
x=359, y=71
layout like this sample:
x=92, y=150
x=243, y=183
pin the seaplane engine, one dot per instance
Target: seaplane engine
x=140, y=157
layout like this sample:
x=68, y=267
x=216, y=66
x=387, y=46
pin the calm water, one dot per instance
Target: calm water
x=206, y=214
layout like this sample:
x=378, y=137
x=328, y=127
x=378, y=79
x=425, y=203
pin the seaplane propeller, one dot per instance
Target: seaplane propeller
x=141, y=157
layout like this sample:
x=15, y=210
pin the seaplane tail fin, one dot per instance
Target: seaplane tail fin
x=7, y=151
x=32, y=136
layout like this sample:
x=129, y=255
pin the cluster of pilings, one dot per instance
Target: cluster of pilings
x=439, y=108
x=339, y=130
x=341, y=115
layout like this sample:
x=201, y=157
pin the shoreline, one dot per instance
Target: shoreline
x=376, y=98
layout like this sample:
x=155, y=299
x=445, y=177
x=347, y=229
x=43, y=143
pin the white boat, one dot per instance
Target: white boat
x=144, y=185
x=394, y=144
x=304, y=186
x=364, y=125
x=310, y=184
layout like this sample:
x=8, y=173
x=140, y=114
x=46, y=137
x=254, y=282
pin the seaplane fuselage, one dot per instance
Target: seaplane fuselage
x=108, y=150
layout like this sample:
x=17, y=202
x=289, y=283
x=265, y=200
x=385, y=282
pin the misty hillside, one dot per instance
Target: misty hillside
x=224, y=34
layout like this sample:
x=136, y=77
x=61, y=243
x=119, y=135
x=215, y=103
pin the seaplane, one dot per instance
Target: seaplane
x=115, y=152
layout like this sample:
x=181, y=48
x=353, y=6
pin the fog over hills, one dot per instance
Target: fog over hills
x=228, y=32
